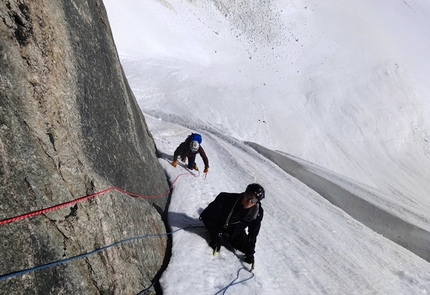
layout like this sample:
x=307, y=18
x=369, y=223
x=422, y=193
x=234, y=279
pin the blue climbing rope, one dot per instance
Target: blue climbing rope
x=147, y=289
x=14, y=274
x=17, y=273
x=223, y=290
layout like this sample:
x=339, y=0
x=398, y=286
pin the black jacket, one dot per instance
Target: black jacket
x=227, y=215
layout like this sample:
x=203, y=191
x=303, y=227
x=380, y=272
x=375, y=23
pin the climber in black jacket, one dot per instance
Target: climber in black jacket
x=230, y=214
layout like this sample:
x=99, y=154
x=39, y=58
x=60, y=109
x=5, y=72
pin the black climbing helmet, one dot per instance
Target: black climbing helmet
x=256, y=190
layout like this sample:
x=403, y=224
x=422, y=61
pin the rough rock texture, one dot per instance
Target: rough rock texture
x=70, y=126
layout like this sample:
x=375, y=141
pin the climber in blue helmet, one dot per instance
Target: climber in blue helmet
x=188, y=150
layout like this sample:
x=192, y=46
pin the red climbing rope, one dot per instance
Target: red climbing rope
x=38, y=212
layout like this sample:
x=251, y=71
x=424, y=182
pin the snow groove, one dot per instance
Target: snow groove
x=352, y=201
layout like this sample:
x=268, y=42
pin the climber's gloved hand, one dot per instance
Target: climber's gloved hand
x=215, y=245
x=206, y=170
x=215, y=242
x=250, y=259
x=224, y=236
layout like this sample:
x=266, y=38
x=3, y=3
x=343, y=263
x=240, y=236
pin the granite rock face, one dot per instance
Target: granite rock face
x=70, y=127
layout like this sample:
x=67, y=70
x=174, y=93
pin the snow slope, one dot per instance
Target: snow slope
x=340, y=85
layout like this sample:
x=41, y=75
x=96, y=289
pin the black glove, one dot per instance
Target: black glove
x=224, y=236
x=215, y=246
x=215, y=242
x=249, y=259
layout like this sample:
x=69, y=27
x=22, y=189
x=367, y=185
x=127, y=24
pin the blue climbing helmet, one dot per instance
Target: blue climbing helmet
x=194, y=140
x=195, y=136
x=256, y=190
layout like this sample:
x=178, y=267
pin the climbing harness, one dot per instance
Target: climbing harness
x=229, y=215
x=250, y=216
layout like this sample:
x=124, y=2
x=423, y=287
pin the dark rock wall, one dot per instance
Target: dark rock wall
x=70, y=126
